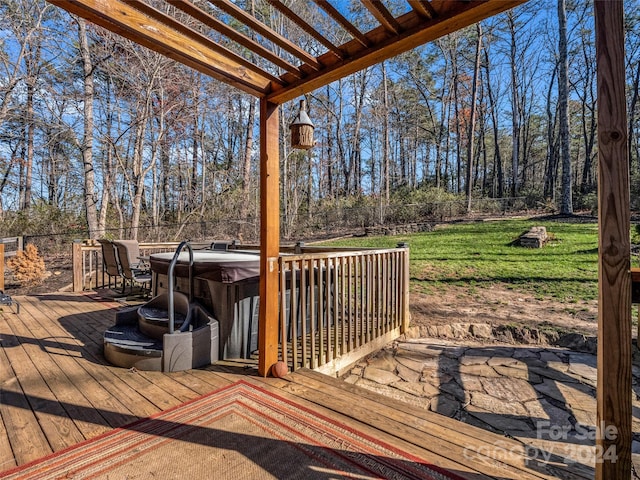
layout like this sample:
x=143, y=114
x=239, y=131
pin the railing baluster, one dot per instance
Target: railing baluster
x=363, y=302
x=293, y=315
x=284, y=341
x=312, y=306
x=304, y=313
x=337, y=343
x=350, y=311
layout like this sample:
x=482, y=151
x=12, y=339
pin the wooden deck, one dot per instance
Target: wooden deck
x=57, y=390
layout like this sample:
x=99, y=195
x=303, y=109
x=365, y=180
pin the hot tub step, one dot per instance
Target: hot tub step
x=125, y=346
x=153, y=316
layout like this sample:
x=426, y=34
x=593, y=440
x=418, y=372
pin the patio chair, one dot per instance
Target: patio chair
x=110, y=261
x=127, y=252
x=132, y=248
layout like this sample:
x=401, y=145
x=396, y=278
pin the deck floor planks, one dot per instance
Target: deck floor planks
x=283, y=388
x=97, y=381
x=25, y=359
x=162, y=392
x=28, y=441
x=473, y=436
x=289, y=388
x=14, y=411
x=451, y=439
x=160, y=388
x=368, y=413
x=53, y=365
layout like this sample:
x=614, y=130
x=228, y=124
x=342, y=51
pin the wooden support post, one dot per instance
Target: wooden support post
x=613, y=433
x=1, y=266
x=269, y=235
x=76, y=261
x=406, y=317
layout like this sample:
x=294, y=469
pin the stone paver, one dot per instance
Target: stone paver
x=542, y=396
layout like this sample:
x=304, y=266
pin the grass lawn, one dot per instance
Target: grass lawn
x=482, y=253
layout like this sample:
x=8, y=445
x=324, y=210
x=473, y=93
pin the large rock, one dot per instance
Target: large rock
x=518, y=373
x=456, y=391
x=575, y=395
x=408, y=374
x=474, y=359
x=478, y=370
x=383, y=377
x=491, y=404
x=394, y=393
x=481, y=330
x=546, y=416
x=509, y=389
x=506, y=362
x=416, y=389
x=383, y=360
x=470, y=383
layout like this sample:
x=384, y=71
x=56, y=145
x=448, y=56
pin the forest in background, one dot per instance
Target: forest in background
x=99, y=136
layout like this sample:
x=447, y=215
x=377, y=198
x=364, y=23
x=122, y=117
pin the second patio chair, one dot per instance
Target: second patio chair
x=128, y=251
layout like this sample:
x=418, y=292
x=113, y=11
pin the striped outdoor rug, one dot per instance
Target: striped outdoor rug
x=239, y=432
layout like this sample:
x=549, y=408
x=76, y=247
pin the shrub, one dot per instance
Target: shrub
x=28, y=266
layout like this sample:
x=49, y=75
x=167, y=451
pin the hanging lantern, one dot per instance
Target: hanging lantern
x=302, y=129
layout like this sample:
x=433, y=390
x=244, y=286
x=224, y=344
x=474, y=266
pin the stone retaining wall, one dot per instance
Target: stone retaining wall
x=512, y=334
x=379, y=230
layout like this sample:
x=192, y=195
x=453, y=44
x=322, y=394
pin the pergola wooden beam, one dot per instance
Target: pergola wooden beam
x=423, y=8
x=383, y=16
x=271, y=35
x=416, y=31
x=304, y=25
x=220, y=63
x=343, y=22
x=209, y=20
x=614, y=408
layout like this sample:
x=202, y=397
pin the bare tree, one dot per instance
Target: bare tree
x=566, y=205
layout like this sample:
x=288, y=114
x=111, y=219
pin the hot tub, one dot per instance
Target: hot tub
x=227, y=284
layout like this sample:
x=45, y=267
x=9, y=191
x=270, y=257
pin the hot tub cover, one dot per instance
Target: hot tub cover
x=226, y=267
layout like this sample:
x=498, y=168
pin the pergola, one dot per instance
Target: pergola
x=193, y=32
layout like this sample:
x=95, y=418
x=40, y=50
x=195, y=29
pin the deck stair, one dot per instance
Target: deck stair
x=169, y=333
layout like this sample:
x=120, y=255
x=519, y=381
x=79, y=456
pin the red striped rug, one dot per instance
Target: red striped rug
x=238, y=432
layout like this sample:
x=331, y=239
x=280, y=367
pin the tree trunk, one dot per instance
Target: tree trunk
x=566, y=205
x=496, y=131
x=384, y=182
x=515, y=114
x=472, y=117
x=87, y=136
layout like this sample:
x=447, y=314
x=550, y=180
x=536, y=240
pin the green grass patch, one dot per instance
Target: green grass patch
x=483, y=253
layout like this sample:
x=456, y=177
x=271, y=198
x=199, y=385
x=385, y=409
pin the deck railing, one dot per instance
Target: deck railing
x=337, y=306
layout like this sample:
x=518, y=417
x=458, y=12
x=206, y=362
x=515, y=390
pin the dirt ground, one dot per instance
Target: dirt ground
x=496, y=305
